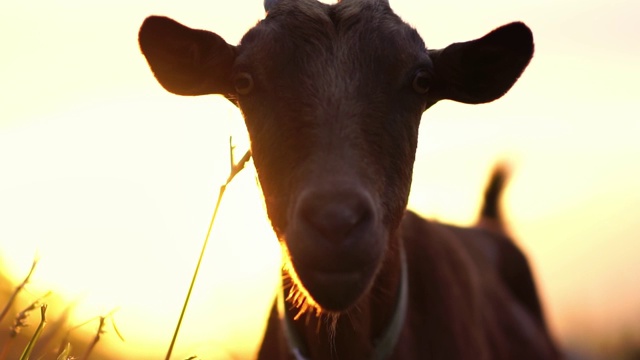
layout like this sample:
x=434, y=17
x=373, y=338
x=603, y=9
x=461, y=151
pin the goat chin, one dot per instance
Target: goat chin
x=325, y=292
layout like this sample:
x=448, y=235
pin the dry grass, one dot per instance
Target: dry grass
x=33, y=334
x=19, y=343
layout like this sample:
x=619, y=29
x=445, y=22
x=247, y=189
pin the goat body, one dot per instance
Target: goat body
x=332, y=97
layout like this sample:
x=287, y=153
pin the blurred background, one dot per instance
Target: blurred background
x=111, y=181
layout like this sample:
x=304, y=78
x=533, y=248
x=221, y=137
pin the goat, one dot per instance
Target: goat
x=332, y=97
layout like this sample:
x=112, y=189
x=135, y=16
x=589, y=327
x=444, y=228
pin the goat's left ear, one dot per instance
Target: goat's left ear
x=484, y=69
x=186, y=61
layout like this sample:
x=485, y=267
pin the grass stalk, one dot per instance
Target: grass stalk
x=96, y=338
x=20, y=322
x=36, y=335
x=235, y=169
x=17, y=291
x=64, y=353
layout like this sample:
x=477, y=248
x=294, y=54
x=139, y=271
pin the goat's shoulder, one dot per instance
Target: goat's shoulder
x=473, y=273
x=486, y=249
x=493, y=255
x=498, y=253
x=483, y=247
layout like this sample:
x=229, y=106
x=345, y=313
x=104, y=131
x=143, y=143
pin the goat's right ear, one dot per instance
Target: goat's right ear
x=187, y=61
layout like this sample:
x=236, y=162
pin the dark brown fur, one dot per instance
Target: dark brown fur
x=472, y=296
x=332, y=97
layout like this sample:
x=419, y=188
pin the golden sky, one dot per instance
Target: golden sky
x=112, y=181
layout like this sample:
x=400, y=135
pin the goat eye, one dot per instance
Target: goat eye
x=421, y=82
x=243, y=83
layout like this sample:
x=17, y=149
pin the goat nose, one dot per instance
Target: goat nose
x=336, y=216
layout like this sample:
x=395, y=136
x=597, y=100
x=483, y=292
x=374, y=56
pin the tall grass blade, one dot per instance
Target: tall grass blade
x=19, y=288
x=64, y=354
x=34, y=339
x=235, y=169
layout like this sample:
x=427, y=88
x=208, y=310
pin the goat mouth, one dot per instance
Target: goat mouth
x=335, y=280
x=335, y=291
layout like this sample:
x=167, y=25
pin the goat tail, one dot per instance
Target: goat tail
x=490, y=216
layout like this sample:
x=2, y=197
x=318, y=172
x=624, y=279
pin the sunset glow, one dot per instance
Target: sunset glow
x=111, y=181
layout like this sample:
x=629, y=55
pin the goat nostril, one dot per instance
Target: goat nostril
x=336, y=220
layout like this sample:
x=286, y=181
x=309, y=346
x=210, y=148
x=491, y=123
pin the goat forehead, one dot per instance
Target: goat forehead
x=314, y=8
x=314, y=41
x=309, y=21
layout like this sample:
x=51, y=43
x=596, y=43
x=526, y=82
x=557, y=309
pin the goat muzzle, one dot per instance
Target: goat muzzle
x=336, y=242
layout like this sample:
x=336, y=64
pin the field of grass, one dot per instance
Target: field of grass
x=30, y=329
